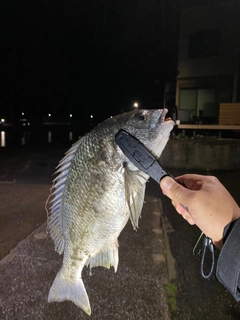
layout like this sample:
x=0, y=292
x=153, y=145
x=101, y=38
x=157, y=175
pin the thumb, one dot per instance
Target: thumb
x=179, y=195
x=172, y=189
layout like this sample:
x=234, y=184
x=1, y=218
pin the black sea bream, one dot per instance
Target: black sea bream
x=95, y=193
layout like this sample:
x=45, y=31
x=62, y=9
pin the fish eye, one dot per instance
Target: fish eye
x=140, y=117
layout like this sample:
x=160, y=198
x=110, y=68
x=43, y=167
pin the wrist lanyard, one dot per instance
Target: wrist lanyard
x=207, y=243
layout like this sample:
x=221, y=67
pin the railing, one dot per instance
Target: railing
x=229, y=119
x=218, y=127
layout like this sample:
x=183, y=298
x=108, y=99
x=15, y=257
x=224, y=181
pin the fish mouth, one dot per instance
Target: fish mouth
x=162, y=119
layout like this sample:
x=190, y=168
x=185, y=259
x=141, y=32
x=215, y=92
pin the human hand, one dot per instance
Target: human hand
x=210, y=205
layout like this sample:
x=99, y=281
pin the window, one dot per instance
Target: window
x=196, y=103
x=204, y=44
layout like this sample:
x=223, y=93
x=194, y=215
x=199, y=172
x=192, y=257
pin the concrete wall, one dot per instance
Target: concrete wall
x=202, y=154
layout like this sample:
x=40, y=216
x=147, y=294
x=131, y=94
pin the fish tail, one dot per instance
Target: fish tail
x=64, y=289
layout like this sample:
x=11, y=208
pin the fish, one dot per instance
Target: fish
x=96, y=191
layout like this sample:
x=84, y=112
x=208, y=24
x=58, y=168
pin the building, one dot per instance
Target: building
x=208, y=61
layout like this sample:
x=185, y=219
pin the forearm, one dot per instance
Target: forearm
x=228, y=266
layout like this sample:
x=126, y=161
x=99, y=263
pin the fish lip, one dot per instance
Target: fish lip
x=161, y=119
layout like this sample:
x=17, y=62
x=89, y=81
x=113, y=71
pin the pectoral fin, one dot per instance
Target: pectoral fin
x=135, y=184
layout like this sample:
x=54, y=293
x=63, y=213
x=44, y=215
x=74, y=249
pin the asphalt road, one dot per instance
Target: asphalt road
x=28, y=267
x=25, y=180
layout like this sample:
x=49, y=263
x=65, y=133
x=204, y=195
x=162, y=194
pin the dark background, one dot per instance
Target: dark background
x=86, y=56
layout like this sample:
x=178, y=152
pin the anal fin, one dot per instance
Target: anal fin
x=106, y=258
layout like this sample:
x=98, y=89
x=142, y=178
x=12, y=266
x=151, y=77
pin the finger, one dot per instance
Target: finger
x=174, y=190
x=191, y=181
x=189, y=220
x=185, y=214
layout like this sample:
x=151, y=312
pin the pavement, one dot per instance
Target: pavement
x=29, y=262
x=157, y=277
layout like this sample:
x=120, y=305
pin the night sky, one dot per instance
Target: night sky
x=84, y=56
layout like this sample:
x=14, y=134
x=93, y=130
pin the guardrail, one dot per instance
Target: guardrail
x=218, y=127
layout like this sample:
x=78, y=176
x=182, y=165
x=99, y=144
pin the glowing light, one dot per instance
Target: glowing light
x=91, y=116
x=49, y=114
x=2, y=120
x=70, y=115
x=49, y=136
x=22, y=113
x=3, y=138
x=135, y=105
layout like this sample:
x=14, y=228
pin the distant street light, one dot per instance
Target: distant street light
x=22, y=113
x=3, y=139
x=70, y=115
x=49, y=114
x=91, y=116
x=135, y=105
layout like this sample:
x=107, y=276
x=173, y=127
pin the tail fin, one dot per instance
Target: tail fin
x=64, y=289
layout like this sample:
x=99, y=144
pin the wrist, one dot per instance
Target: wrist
x=225, y=233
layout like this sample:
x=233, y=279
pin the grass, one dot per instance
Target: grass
x=171, y=290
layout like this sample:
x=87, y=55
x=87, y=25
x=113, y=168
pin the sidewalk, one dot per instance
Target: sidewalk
x=136, y=291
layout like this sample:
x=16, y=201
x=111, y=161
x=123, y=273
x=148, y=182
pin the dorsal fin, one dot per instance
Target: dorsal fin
x=55, y=219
